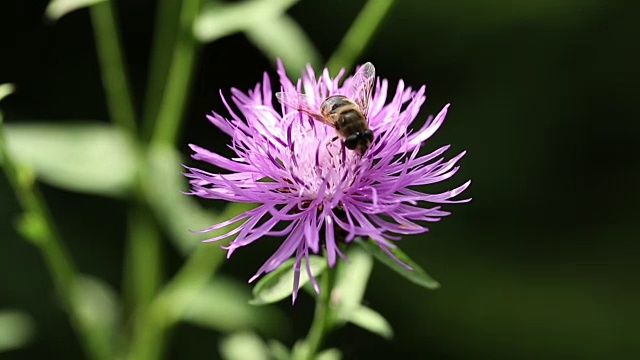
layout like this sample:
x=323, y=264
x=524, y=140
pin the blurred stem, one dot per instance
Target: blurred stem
x=321, y=319
x=114, y=77
x=359, y=35
x=143, y=257
x=37, y=225
x=179, y=77
x=168, y=306
x=166, y=27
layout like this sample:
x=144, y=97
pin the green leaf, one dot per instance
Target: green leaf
x=222, y=305
x=178, y=212
x=99, y=308
x=58, y=8
x=278, y=350
x=351, y=281
x=242, y=346
x=87, y=157
x=417, y=275
x=6, y=90
x=17, y=329
x=221, y=20
x=371, y=320
x=282, y=37
x=278, y=284
x=329, y=354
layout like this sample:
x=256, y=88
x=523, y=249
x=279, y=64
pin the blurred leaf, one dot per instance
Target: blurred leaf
x=219, y=20
x=58, y=8
x=16, y=329
x=5, y=90
x=417, y=275
x=278, y=350
x=278, y=284
x=178, y=212
x=87, y=157
x=223, y=306
x=243, y=346
x=299, y=350
x=371, y=320
x=329, y=354
x=351, y=281
x=282, y=37
x=99, y=308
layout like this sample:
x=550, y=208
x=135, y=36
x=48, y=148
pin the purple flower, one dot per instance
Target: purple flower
x=312, y=191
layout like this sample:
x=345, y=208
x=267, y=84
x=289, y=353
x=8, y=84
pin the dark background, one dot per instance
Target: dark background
x=543, y=263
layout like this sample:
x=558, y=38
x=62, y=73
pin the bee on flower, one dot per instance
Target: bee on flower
x=321, y=192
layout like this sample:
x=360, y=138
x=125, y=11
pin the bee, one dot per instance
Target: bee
x=348, y=116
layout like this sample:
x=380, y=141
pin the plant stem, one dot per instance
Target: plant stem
x=165, y=30
x=321, y=318
x=143, y=255
x=143, y=270
x=168, y=306
x=38, y=226
x=114, y=77
x=179, y=78
x=359, y=35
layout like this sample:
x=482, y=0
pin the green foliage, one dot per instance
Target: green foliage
x=243, y=345
x=356, y=40
x=99, y=308
x=282, y=37
x=329, y=354
x=17, y=330
x=177, y=212
x=6, y=90
x=219, y=20
x=222, y=306
x=351, y=281
x=371, y=320
x=33, y=227
x=416, y=275
x=267, y=26
x=58, y=8
x=278, y=284
x=278, y=350
x=83, y=156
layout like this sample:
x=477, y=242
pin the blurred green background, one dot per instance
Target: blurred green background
x=543, y=263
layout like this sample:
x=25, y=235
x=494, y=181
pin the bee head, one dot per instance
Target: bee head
x=359, y=142
x=351, y=141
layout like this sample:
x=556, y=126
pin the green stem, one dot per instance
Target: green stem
x=179, y=78
x=167, y=308
x=114, y=77
x=165, y=30
x=143, y=272
x=359, y=35
x=321, y=318
x=38, y=226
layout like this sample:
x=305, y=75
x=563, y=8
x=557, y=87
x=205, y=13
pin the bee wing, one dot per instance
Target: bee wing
x=362, y=85
x=300, y=103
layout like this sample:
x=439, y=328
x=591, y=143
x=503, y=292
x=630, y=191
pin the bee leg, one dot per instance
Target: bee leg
x=329, y=143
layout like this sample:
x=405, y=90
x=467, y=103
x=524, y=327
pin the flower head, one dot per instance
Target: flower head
x=313, y=192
